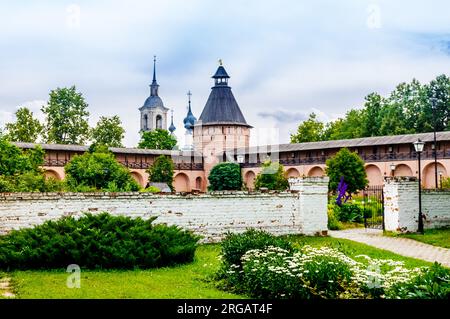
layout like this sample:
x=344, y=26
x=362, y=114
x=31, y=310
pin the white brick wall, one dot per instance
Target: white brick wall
x=210, y=215
x=401, y=205
x=313, y=200
x=436, y=208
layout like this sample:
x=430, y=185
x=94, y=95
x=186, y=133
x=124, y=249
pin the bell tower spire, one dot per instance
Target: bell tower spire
x=154, y=86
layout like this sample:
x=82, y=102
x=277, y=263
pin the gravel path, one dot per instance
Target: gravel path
x=402, y=246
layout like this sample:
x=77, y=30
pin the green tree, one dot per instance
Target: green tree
x=157, y=139
x=348, y=165
x=161, y=171
x=20, y=170
x=311, y=130
x=66, y=117
x=225, y=176
x=108, y=132
x=439, y=89
x=373, y=105
x=98, y=170
x=25, y=129
x=272, y=176
x=14, y=161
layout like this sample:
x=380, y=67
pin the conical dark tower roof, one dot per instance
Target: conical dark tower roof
x=221, y=107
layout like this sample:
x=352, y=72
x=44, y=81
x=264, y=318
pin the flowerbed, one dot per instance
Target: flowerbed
x=307, y=272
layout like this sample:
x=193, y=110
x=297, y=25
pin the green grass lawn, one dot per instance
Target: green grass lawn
x=436, y=237
x=186, y=281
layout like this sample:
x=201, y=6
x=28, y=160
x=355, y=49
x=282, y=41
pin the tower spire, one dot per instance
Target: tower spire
x=190, y=119
x=172, y=127
x=154, y=69
x=154, y=86
x=189, y=94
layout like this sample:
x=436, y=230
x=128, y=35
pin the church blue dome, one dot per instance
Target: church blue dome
x=189, y=120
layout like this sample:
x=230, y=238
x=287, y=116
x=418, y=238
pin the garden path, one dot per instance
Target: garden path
x=402, y=246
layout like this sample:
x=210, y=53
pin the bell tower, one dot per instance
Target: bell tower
x=153, y=112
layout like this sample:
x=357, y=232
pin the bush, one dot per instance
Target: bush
x=333, y=221
x=29, y=182
x=162, y=171
x=225, y=176
x=234, y=246
x=325, y=272
x=97, y=241
x=272, y=176
x=350, y=213
x=277, y=273
x=98, y=170
x=432, y=284
x=151, y=189
x=445, y=183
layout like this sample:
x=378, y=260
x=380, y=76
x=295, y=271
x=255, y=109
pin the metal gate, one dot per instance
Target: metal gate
x=373, y=206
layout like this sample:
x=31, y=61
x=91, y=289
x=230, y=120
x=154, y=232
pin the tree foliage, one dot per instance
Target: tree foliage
x=108, y=132
x=161, y=171
x=25, y=129
x=351, y=167
x=98, y=170
x=20, y=170
x=408, y=109
x=14, y=161
x=311, y=130
x=272, y=176
x=157, y=139
x=66, y=117
x=225, y=176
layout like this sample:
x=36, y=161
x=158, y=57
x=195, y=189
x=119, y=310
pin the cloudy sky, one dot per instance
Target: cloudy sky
x=285, y=58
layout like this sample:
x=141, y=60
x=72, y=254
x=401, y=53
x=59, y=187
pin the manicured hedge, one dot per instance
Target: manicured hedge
x=97, y=241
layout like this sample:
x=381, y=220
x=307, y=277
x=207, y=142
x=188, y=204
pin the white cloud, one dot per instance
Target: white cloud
x=290, y=56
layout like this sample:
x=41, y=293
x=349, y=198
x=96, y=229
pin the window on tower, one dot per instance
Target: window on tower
x=145, y=122
x=159, y=121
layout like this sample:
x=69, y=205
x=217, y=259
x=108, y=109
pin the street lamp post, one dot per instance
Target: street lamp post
x=433, y=106
x=418, y=146
x=392, y=169
x=240, y=159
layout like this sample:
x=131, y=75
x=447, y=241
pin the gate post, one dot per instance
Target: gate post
x=313, y=203
x=401, y=209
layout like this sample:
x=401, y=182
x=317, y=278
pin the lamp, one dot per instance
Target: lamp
x=392, y=166
x=418, y=146
x=240, y=158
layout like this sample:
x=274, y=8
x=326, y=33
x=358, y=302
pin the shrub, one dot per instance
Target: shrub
x=333, y=221
x=151, y=189
x=272, y=176
x=97, y=241
x=162, y=171
x=445, y=183
x=350, y=213
x=29, y=182
x=234, y=246
x=431, y=284
x=322, y=272
x=277, y=273
x=98, y=170
x=225, y=176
